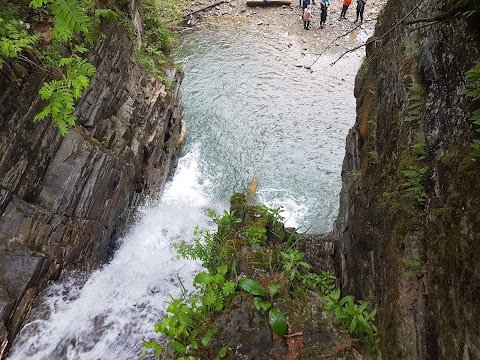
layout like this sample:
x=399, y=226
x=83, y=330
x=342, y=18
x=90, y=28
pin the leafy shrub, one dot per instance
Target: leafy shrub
x=355, y=318
x=413, y=268
x=293, y=263
x=14, y=38
x=325, y=282
x=256, y=235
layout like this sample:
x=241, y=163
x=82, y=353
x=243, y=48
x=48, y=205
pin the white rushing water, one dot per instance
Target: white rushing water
x=106, y=315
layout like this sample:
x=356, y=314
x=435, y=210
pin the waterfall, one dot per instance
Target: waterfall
x=106, y=315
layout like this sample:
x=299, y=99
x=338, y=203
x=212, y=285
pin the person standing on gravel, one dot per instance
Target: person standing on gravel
x=360, y=8
x=307, y=17
x=346, y=4
x=305, y=3
x=323, y=12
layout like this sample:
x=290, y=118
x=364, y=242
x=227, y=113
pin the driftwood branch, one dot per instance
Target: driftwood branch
x=332, y=42
x=402, y=20
x=268, y=2
x=203, y=9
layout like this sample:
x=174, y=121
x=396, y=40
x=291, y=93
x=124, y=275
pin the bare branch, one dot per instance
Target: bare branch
x=381, y=36
x=333, y=41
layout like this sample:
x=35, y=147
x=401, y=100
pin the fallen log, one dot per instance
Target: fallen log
x=268, y=2
x=186, y=16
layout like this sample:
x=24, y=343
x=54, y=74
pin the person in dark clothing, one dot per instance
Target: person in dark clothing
x=323, y=13
x=360, y=8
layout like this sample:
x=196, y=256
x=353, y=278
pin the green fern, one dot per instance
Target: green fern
x=61, y=94
x=72, y=21
x=415, y=102
x=70, y=17
x=14, y=38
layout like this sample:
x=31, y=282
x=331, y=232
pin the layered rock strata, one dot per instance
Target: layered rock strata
x=408, y=230
x=64, y=200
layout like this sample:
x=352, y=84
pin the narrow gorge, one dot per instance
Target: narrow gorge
x=91, y=222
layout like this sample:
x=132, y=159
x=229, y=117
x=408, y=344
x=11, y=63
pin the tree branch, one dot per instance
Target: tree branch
x=333, y=41
x=381, y=36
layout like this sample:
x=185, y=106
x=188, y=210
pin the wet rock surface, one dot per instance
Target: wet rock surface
x=64, y=201
x=413, y=257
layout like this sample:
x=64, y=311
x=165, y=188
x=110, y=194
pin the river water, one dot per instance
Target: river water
x=251, y=111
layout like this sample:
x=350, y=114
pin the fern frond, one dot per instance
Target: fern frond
x=37, y=4
x=71, y=17
x=106, y=14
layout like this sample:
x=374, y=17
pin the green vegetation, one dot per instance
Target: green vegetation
x=14, y=39
x=292, y=262
x=413, y=268
x=256, y=235
x=416, y=102
x=354, y=173
x=355, y=318
x=76, y=28
x=414, y=183
x=61, y=94
x=273, y=275
x=473, y=91
x=412, y=49
x=374, y=156
x=158, y=40
x=418, y=147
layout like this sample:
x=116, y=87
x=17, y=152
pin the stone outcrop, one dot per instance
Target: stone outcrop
x=64, y=200
x=241, y=328
x=408, y=230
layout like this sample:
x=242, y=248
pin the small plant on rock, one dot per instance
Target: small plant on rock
x=413, y=268
x=355, y=318
x=263, y=302
x=256, y=235
x=325, y=282
x=416, y=102
x=292, y=260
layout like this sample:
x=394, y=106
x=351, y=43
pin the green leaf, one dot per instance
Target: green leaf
x=153, y=345
x=252, y=287
x=353, y=324
x=261, y=305
x=273, y=289
x=223, y=352
x=194, y=342
x=208, y=336
x=222, y=270
x=106, y=14
x=218, y=279
x=277, y=322
x=203, y=278
x=178, y=347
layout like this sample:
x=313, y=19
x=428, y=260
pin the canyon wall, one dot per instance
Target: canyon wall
x=65, y=200
x=408, y=232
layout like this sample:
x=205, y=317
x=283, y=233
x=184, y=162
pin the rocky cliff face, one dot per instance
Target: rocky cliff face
x=408, y=233
x=63, y=201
